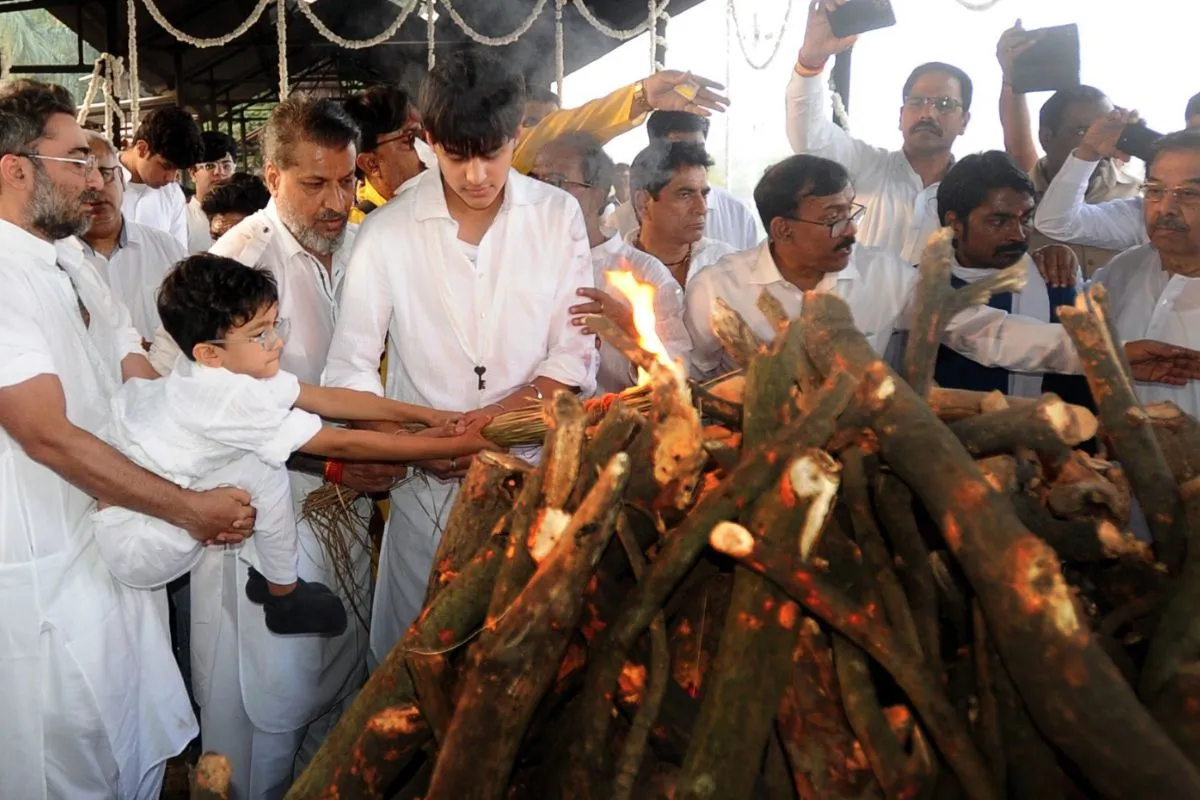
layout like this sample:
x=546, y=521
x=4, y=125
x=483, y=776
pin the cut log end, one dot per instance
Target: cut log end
x=546, y=532
x=732, y=540
x=814, y=477
x=1072, y=424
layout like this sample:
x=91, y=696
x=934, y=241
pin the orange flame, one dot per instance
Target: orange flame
x=641, y=298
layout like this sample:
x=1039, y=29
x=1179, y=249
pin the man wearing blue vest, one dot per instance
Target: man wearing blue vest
x=989, y=202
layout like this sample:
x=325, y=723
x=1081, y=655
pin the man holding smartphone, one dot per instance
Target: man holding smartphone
x=898, y=187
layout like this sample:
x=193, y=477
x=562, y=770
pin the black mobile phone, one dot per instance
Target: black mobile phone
x=1052, y=63
x=860, y=16
x=1138, y=141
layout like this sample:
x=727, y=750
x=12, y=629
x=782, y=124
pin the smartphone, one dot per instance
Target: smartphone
x=1138, y=141
x=860, y=16
x=1052, y=63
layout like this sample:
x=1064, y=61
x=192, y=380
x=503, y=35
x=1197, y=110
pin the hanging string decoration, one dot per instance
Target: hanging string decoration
x=430, y=13
x=559, y=44
x=281, y=43
x=358, y=44
x=615, y=33
x=495, y=41
x=108, y=76
x=135, y=88
x=737, y=31
x=981, y=5
x=219, y=41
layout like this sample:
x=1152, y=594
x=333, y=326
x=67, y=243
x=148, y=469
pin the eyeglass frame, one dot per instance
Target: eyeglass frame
x=229, y=165
x=1174, y=192
x=856, y=213
x=412, y=134
x=89, y=164
x=113, y=172
x=266, y=339
x=561, y=182
x=951, y=103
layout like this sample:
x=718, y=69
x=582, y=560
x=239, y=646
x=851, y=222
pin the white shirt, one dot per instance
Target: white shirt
x=1147, y=302
x=614, y=255
x=878, y=287
x=901, y=211
x=1064, y=213
x=507, y=314
x=136, y=268
x=164, y=208
x=705, y=252
x=199, y=238
x=730, y=220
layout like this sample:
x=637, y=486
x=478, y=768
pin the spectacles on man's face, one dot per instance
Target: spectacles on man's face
x=86, y=165
x=225, y=166
x=837, y=227
x=406, y=137
x=559, y=181
x=942, y=105
x=266, y=339
x=109, y=174
x=1186, y=196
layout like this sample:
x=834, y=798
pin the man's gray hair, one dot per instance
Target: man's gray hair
x=98, y=138
x=25, y=106
x=301, y=118
x=595, y=164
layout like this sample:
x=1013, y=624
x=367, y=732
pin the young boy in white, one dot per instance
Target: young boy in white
x=227, y=412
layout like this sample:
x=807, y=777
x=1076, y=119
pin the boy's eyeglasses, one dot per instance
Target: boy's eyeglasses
x=266, y=339
x=224, y=166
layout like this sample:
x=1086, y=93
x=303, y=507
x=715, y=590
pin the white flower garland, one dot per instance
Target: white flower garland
x=135, y=90
x=839, y=106
x=737, y=31
x=219, y=41
x=495, y=41
x=984, y=5
x=281, y=43
x=107, y=74
x=358, y=44
x=614, y=33
x=430, y=44
x=559, y=61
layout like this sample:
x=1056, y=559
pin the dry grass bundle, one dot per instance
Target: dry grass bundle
x=527, y=426
x=338, y=526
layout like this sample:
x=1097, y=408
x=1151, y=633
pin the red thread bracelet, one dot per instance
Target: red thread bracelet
x=333, y=470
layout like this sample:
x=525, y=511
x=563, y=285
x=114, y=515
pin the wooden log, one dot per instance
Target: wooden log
x=212, y=778
x=611, y=436
x=509, y=670
x=1126, y=422
x=586, y=765
x=773, y=310
x=810, y=587
x=1073, y=691
x=936, y=302
x=1078, y=541
x=487, y=494
x=383, y=740
x=734, y=334
x=1051, y=427
x=826, y=760
x=1032, y=768
x=1178, y=436
x=987, y=727
x=667, y=456
x=757, y=642
x=951, y=405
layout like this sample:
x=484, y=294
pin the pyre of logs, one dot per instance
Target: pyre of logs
x=857, y=592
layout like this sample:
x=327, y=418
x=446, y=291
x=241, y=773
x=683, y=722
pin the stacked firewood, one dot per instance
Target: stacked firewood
x=855, y=585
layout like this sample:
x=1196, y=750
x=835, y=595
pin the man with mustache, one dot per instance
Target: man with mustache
x=92, y=703
x=1154, y=288
x=131, y=258
x=988, y=200
x=898, y=187
x=391, y=126
x=809, y=209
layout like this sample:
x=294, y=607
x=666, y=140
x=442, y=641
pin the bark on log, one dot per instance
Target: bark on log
x=1050, y=427
x=384, y=740
x=936, y=302
x=773, y=310
x=951, y=405
x=740, y=342
x=1073, y=690
x=1178, y=435
x=211, y=778
x=667, y=456
x=611, y=436
x=1127, y=423
x=987, y=728
x=586, y=766
x=1175, y=647
x=810, y=587
x=510, y=669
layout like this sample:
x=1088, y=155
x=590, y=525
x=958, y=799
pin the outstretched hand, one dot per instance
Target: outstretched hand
x=1159, y=362
x=672, y=90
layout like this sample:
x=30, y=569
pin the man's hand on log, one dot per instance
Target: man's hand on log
x=1058, y=264
x=617, y=311
x=218, y=516
x=1159, y=362
x=371, y=477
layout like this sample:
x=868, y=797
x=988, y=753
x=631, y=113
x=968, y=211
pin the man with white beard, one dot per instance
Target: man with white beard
x=92, y=702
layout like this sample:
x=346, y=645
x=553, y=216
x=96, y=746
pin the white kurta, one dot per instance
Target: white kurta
x=92, y=700
x=1064, y=213
x=616, y=372
x=901, y=211
x=164, y=209
x=286, y=682
x=508, y=313
x=1147, y=302
x=199, y=238
x=705, y=252
x=136, y=269
x=878, y=287
x=729, y=220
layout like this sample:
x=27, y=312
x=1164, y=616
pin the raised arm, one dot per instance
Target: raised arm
x=1014, y=109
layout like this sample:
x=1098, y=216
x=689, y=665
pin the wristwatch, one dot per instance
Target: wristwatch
x=640, y=104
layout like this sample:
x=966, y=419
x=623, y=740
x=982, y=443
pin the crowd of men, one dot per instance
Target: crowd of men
x=443, y=250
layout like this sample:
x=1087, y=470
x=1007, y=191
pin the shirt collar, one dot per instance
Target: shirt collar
x=610, y=247
x=123, y=238
x=765, y=272
x=20, y=242
x=431, y=195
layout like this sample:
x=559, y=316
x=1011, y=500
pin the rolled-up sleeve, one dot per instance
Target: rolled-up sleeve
x=571, y=359
x=1064, y=213
x=996, y=338
x=364, y=312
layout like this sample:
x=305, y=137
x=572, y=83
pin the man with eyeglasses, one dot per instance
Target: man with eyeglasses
x=166, y=141
x=131, y=258
x=391, y=129
x=898, y=187
x=577, y=164
x=218, y=166
x=91, y=703
x=808, y=206
x=669, y=181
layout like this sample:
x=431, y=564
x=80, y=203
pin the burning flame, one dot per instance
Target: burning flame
x=641, y=298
